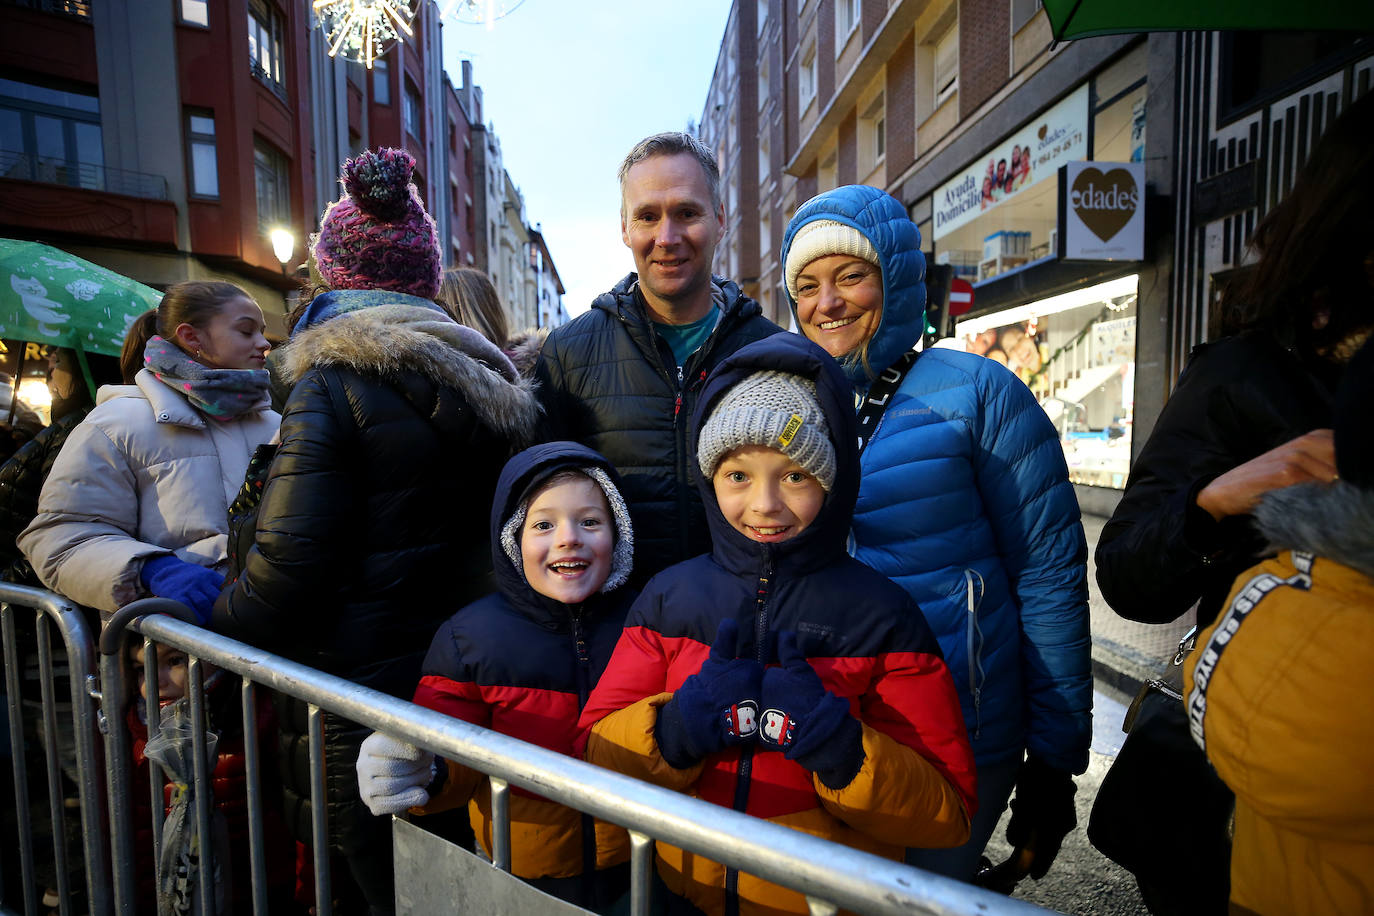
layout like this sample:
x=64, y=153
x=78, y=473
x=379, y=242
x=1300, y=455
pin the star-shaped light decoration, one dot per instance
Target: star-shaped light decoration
x=477, y=12
x=362, y=30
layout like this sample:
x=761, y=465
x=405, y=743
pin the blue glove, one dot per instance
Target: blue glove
x=808, y=723
x=192, y=585
x=713, y=709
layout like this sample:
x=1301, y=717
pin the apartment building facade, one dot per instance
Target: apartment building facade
x=1057, y=180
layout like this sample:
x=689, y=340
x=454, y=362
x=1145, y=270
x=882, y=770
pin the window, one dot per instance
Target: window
x=766, y=250
x=763, y=15
x=381, y=82
x=200, y=144
x=55, y=132
x=195, y=12
x=1022, y=11
x=273, y=185
x=763, y=83
x=872, y=132
x=413, y=111
x=264, y=42
x=946, y=77
x=807, y=75
x=765, y=160
x=846, y=20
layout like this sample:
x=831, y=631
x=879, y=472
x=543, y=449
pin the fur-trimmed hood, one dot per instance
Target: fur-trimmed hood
x=523, y=349
x=387, y=340
x=1335, y=521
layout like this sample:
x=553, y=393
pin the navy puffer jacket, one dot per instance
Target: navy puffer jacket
x=965, y=502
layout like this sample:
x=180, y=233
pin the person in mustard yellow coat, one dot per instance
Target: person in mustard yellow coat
x=1278, y=688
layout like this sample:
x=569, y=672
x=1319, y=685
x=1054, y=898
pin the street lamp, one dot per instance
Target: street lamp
x=283, y=244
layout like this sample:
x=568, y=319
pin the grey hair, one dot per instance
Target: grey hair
x=671, y=143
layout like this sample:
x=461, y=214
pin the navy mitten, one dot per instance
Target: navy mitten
x=808, y=723
x=192, y=585
x=713, y=709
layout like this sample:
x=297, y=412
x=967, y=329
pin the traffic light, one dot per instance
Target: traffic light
x=938, y=321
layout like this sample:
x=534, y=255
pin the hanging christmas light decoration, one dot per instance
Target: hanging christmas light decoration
x=363, y=30
x=478, y=12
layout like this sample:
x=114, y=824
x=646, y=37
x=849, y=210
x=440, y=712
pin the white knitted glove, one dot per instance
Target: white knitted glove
x=393, y=775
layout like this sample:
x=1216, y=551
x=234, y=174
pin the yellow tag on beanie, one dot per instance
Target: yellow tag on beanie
x=790, y=430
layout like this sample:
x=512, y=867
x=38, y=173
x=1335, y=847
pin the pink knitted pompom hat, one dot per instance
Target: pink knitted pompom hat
x=378, y=235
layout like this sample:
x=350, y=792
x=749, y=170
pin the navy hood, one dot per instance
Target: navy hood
x=526, y=470
x=878, y=217
x=826, y=538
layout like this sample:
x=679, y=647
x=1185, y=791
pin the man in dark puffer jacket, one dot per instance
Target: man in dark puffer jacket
x=623, y=378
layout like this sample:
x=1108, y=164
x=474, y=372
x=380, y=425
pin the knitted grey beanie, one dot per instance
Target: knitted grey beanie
x=820, y=238
x=778, y=410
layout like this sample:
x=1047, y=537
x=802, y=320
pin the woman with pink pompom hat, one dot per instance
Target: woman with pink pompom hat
x=398, y=421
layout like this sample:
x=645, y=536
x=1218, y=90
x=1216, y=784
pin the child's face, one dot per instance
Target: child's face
x=765, y=495
x=567, y=539
x=172, y=672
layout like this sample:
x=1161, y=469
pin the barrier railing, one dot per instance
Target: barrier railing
x=830, y=875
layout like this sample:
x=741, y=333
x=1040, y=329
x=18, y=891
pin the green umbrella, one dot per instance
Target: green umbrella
x=52, y=297
x=1086, y=18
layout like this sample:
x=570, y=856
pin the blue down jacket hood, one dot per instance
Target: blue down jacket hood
x=825, y=539
x=520, y=475
x=884, y=222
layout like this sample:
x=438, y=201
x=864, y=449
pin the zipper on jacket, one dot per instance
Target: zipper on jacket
x=584, y=689
x=746, y=757
x=976, y=675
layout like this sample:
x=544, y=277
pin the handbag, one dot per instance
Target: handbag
x=1161, y=812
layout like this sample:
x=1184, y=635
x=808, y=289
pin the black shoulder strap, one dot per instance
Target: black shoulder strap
x=880, y=394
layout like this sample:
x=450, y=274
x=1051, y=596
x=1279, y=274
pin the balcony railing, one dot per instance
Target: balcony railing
x=27, y=167
x=77, y=9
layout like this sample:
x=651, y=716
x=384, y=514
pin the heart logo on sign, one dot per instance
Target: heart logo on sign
x=1044, y=129
x=1104, y=203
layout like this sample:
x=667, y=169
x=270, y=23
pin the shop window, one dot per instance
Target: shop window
x=413, y=111
x=381, y=82
x=51, y=134
x=195, y=12
x=945, y=78
x=265, y=43
x=273, y=184
x=807, y=75
x=204, y=158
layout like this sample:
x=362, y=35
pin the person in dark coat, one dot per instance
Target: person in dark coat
x=1252, y=411
x=623, y=377
x=399, y=420
x=522, y=661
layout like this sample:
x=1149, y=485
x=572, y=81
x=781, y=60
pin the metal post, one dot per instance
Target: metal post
x=252, y=763
x=500, y=823
x=21, y=770
x=319, y=813
x=641, y=872
x=55, y=801
x=200, y=769
x=157, y=777
x=118, y=781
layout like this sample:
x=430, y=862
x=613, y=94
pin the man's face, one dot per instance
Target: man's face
x=670, y=227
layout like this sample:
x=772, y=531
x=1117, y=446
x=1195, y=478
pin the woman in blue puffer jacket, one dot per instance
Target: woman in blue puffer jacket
x=965, y=502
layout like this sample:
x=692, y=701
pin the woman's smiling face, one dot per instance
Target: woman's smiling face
x=839, y=302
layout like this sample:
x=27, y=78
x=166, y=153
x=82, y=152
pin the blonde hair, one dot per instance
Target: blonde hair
x=470, y=298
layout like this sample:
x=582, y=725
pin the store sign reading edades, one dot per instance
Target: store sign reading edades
x=1102, y=211
x=1023, y=159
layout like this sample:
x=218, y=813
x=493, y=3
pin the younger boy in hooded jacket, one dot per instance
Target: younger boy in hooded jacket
x=522, y=661
x=777, y=675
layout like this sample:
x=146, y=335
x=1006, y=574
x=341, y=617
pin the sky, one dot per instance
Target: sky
x=569, y=87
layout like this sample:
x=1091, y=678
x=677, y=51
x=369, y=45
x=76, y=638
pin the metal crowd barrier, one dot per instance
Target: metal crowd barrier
x=831, y=876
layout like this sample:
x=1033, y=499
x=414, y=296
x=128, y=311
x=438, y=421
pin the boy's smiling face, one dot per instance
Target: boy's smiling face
x=567, y=540
x=765, y=495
